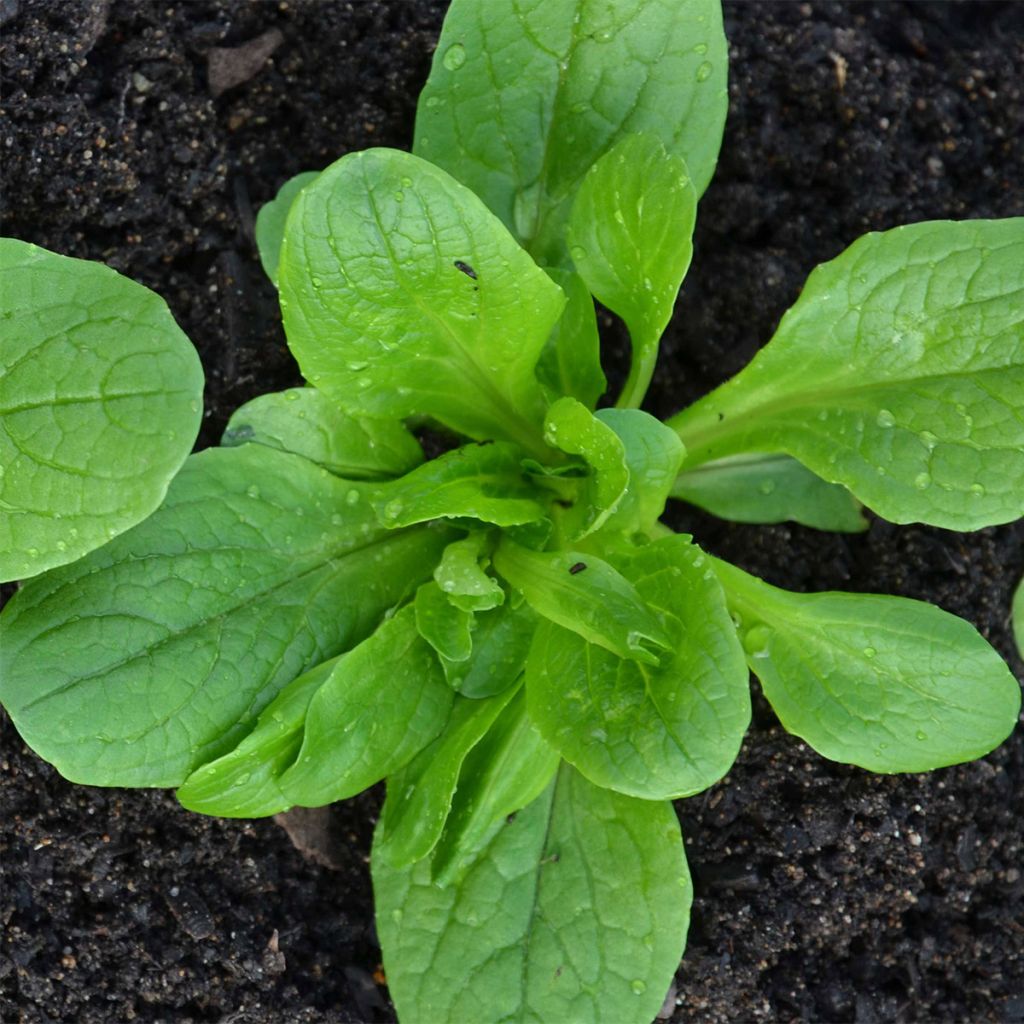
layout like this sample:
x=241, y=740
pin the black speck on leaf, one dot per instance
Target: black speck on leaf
x=577, y=568
x=466, y=269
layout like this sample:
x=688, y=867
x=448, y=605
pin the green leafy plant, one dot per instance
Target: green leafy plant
x=508, y=633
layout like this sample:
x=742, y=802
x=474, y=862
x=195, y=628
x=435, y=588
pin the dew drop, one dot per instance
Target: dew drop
x=316, y=282
x=756, y=641
x=292, y=396
x=399, y=196
x=638, y=987
x=454, y=57
x=598, y=735
x=885, y=418
x=977, y=490
x=922, y=481
x=929, y=439
x=704, y=71
x=766, y=486
x=393, y=509
x=619, y=219
x=869, y=652
x=577, y=252
x=406, y=182
x=62, y=545
x=578, y=108
x=432, y=102
x=921, y=734
x=701, y=48
x=33, y=552
x=604, y=36
x=253, y=491
x=352, y=497
x=357, y=364
x=396, y=915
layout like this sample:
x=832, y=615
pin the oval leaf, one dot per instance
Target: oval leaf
x=403, y=295
x=523, y=99
x=577, y=909
x=653, y=732
x=887, y=683
x=631, y=240
x=100, y=402
x=155, y=654
x=898, y=373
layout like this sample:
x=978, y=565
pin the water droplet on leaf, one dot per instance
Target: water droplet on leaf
x=922, y=481
x=704, y=71
x=638, y=987
x=885, y=418
x=454, y=57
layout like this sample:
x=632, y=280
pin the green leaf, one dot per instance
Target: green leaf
x=483, y=481
x=270, y=221
x=379, y=706
x=501, y=642
x=887, y=683
x=463, y=579
x=587, y=597
x=1018, y=617
x=446, y=628
x=243, y=783
x=572, y=428
x=898, y=373
x=523, y=99
x=420, y=794
x=507, y=770
x=570, y=364
x=653, y=732
x=155, y=654
x=653, y=455
x=576, y=910
x=403, y=296
x=307, y=422
x=631, y=238
x=769, y=489
x=100, y=401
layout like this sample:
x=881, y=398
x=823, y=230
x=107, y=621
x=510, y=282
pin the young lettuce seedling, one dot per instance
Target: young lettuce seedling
x=507, y=633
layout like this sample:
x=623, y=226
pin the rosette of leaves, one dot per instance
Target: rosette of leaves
x=508, y=634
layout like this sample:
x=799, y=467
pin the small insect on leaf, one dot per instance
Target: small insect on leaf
x=577, y=567
x=466, y=269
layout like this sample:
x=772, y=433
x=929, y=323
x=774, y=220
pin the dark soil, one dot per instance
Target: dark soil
x=823, y=893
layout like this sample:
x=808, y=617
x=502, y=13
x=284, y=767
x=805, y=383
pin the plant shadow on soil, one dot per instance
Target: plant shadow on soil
x=822, y=893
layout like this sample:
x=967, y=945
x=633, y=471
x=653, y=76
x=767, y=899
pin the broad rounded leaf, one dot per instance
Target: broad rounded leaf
x=656, y=732
x=403, y=295
x=631, y=240
x=524, y=98
x=887, y=683
x=100, y=402
x=575, y=910
x=898, y=373
x=156, y=653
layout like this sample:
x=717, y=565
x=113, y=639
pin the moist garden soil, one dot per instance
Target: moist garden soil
x=823, y=893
